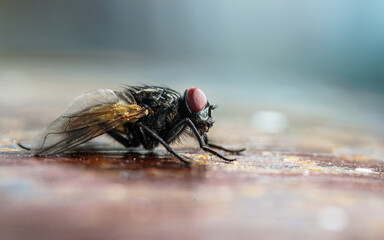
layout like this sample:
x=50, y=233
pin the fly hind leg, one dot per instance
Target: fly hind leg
x=123, y=140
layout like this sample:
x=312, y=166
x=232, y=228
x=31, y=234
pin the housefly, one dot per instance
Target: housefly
x=136, y=116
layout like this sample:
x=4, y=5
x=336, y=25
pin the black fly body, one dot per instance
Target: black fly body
x=137, y=116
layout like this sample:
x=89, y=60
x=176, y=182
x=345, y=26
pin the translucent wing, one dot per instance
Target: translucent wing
x=87, y=117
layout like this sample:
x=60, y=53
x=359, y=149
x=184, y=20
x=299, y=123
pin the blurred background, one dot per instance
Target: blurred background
x=269, y=64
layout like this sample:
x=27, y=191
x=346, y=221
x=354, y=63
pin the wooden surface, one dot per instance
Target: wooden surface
x=317, y=174
x=323, y=185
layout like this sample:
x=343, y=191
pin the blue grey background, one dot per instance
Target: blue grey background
x=319, y=59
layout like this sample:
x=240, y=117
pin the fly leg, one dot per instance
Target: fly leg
x=176, y=131
x=122, y=140
x=153, y=135
x=145, y=140
x=21, y=145
x=201, y=142
x=237, y=151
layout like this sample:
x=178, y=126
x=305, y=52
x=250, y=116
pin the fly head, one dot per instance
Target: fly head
x=199, y=109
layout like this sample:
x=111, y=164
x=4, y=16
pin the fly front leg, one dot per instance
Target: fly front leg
x=175, y=131
x=201, y=142
x=154, y=135
x=237, y=151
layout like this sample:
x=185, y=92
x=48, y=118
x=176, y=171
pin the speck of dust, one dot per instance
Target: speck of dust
x=332, y=219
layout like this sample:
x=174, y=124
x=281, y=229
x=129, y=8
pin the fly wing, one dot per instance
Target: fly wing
x=87, y=117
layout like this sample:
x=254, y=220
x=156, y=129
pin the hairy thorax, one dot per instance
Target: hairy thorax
x=165, y=104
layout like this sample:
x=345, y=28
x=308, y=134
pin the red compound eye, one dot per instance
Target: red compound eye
x=196, y=99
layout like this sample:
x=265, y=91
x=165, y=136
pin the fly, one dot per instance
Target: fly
x=136, y=116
